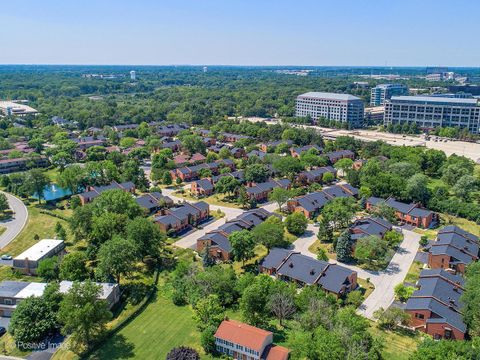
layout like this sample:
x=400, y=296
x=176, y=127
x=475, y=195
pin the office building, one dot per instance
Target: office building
x=430, y=112
x=383, y=92
x=12, y=108
x=343, y=108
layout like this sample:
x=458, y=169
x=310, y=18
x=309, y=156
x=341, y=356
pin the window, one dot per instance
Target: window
x=419, y=316
x=8, y=301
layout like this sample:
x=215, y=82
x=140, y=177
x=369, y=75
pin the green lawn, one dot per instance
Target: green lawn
x=365, y=287
x=414, y=272
x=151, y=335
x=326, y=246
x=398, y=344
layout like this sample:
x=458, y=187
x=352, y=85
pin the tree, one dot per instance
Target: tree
x=270, y=234
x=390, y=318
x=257, y=173
x=280, y=196
x=227, y=185
x=60, y=232
x=73, y=267
x=355, y=298
x=105, y=226
x=83, y=314
x=254, y=300
x=282, y=301
x=371, y=249
x=167, y=178
x=325, y=231
x=207, y=339
x=328, y=178
x=288, y=166
x=32, y=321
x=470, y=299
x=193, y=144
x=183, y=353
x=4, y=202
x=48, y=268
x=243, y=244
x=71, y=178
x=416, y=189
x=384, y=211
x=393, y=238
x=81, y=222
x=146, y=236
x=403, y=292
x=344, y=165
x=430, y=349
x=339, y=212
x=116, y=257
x=208, y=312
x=296, y=223
x=322, y=254
x=118, y=202
x=465, y=186
x=36, y=182
x=344, y=247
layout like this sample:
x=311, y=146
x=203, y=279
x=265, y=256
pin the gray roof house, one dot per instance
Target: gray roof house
x=305, y=270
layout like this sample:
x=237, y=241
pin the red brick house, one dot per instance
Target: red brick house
x=260, y=191
x=311, y=204
x=435, y=307
x=412, y=214
x=298, y=151
x=315, y=175
x=453, y=250
x=95, y=191
x=334, y=156
x=183, y=217
x=203, y=187
x=189, y=173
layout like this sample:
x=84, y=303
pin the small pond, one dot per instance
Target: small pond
x=53, y=192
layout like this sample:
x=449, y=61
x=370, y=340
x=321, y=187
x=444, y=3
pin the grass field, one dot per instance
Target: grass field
x=399, y=344
x=216, y=199
x=327, y=247
x=366, y=287
x=414, y=272
x=151, y=335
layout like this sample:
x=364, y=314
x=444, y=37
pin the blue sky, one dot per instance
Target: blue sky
x=241, y=32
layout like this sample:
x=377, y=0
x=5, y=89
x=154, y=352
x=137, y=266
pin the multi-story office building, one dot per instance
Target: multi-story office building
x=430, y=112
x=339, y=107
x=383, y=92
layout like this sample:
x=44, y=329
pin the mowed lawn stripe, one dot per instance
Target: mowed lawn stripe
x=152, y=334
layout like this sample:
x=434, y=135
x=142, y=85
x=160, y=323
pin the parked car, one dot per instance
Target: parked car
x=2, y=331
x=6, y=257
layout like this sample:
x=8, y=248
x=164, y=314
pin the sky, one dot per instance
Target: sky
x=241, y=32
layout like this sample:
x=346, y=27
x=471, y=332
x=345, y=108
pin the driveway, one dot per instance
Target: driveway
x=385, y=280
x=16, y=224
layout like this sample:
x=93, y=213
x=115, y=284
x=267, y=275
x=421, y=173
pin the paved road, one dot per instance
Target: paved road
x=17, y=223
x=384, y=281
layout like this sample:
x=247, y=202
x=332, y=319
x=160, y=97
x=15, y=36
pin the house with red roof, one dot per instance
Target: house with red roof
x=245, y=342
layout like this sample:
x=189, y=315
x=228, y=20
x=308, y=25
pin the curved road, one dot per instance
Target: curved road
x=17, y=223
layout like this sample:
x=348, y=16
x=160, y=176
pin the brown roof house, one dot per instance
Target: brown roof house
x=183, y=217
x=242, y=341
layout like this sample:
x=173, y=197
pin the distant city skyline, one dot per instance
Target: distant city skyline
x=241, y=32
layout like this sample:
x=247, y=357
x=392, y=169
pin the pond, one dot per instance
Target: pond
x=53, y=192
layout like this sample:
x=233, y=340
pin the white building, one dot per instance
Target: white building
x=338, y=107
x=11, y=108
x=133, y=75
x=27, y=262
x=429, y=112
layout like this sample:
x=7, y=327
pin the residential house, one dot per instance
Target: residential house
x=189, y=173
x=20, y=164
x=93, y=192
x=436, y=307
x=358, y=164
x=202, y=187
x=217, y=242
x=257, y=153
x=174, y=145
x=315, y=175
x=27, y=262
x=86, y=142
x=298, y=151
x=311, y=204
x=334, y=156
x=412, y=214
x=260, y=191
x=233, y=138
x=183, y=217
x=237, y=340
x=14, y=292
x=370, y=226
x=269, y=146
x=304, y=270
x=121, y=128
x=153, y=202
x=170, y=130
x=453, y=250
